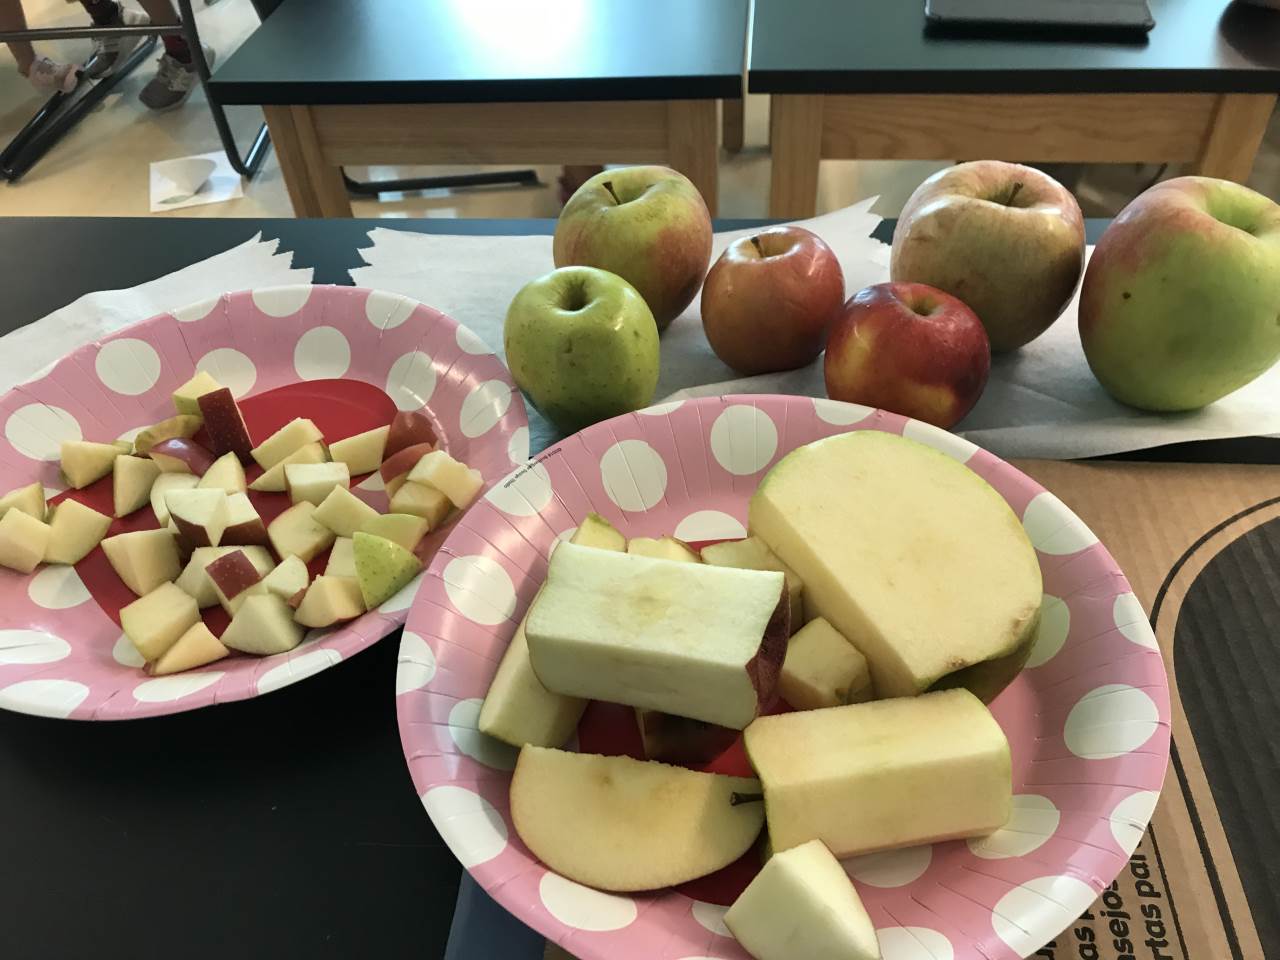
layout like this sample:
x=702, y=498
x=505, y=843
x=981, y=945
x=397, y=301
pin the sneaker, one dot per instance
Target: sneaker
x=50, y=76
x=173, y=82
x=109, y=51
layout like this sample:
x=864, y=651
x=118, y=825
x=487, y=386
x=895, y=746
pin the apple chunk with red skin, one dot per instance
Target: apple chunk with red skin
x=201, y=516
x=400, y=463
x=183, y=425
x=409, y=428
x=911, y=349
x=224, y=423
x=244, y=526
x=180, y=455
x=769, y=299
x=194, y=578
x=231, y=574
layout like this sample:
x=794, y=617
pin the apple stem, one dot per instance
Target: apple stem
x=755, y=242
x=1008, y=202
x=737, y=799
x=608, y=185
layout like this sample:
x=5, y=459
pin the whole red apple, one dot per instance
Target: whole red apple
x=769, y=299
x=909, y=348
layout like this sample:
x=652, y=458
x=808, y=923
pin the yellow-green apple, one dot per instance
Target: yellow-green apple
x=649, y=225
x=1181, y=301
x=768, y=300
x=582, y=343
x=908, y=348
x=1006, y=239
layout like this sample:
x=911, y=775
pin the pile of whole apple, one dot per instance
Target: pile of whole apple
x=190, y=470
x=1177, y=309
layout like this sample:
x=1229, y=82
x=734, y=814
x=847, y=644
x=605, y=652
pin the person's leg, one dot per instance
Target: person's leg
x=176, y=76
x=109, y=51
x=47, y=76
x=12, y=18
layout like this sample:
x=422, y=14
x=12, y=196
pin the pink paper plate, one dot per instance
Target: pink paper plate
x=346, y=357
x=1087, y=720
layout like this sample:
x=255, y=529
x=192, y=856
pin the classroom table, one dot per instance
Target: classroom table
x=865, y=81
x=487, y=82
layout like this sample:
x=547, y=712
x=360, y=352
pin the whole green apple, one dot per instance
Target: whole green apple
x=1181, y=300
x=649, y=225
x=1006, y=239
x=582, y=343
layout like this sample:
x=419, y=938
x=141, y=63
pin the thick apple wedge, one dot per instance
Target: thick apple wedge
x=753, y=554
x=143, y=559
x=329, y=600
x=23, y=541
x=402, y=528
x=84, y=462
x=383, y=567
x=312, y=482
x=165, y=484
x=662, y=548
x=183, y=425
x=421, y=501
x=397, y=465
x=131, y=482
x=801, y=906
x=690, y=639
x=194, y=578
x=201, y=516
x=908, y=554
x=296, y=532
x=889, y=773
x=343, y=512
x=823, y=669
x=455, y=480
x=342, y=558
x=234, y=578
x=29, y=499
x=263, y=626
x=361, y=453
x=226, y=474
x=620, y=824
x=224, y=423
x=273, y=480
x=197, y=647
x=244, y=526
x=288, y=579
x=154, y=622
x=409, y=428
x=74, y=530
x=186, y=399
x=293, y=436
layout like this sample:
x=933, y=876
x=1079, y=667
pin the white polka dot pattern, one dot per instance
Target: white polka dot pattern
x=44, y=698
x=582, y=908
x=890, y=868
x=1033, y=821
x=466, y=735
x=322, y=353
x=386, y=311
x=297, y=667
x=957, y=448
x=913, y=943
x=1053, y=529
x=634, y=475
x=412, y=381
x=710, y=525
x=524, y=492
x=175, y=687
x=125, y=653
x=1130, y=817
x=743, y=439
x=1111, y=721
x=480, y=589
x=39, y=430
x=1051, y=634
x=840, y=414
x=1034, y=912
x=128, y=366
x=31, y=646
x=484, y=407
x=282, y=301
x=417, y=663
x=56, y=587
x=231, y=368
x=711, y=917
x=1131, y=620
x=468, y=823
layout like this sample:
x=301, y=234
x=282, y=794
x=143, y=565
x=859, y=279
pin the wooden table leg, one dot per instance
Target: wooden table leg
x=795, y=133
x=1234, y=135
x=315, y=187
x=692, y=147
x=731, y=124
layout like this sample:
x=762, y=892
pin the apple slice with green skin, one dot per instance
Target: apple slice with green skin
x=753, y=554
x=165, y=484
x=263, y=626
x=273, y=480
x=186, y=399
x=382, y=568
x=131, y=483
x=342, y=558
x=179, y=455
x=330, y=600
x=518, y=708
x=23, y=541
x=296, y=532
x=84, y=462
x=201, y=516
x=225, y=473
x=195, y=580
x=422, y=501
x=224, y=424
x=29, y=499
x=343, y=512
x=455, y=480
x=400, y=463
x=244, y=526
x=293, y=436
x=143, y=559
x=198, y=647
x=802, y=905
x=233, y=575
x=312, y=482
x=288, y=579
x=183, y=425
x=597, y=820
x=402, y=528
x=823, y=669
x=663, y=548
x=409, y=428
x=362, y=453
x=154, y=622
x=74, y=530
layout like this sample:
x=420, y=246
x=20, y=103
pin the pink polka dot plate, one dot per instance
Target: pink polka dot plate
x=346, y=357
x=1087, y=720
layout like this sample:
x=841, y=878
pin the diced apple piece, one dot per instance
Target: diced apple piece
x=29, y=499
x=186, y=399
x=23, y=541
x=753, y=554
x=596, y=531
x=244, y=526
x=85, y=462
x=673, y=739
x=287, y=579
x=143, y=559
x=402, y=528
x=455, y=480
x=290, y=438
x=408, y=429
x=329, y=600
x=689, y=639
x=421, y=501
x=195, y=580
x=201, y=516
x=343, y=512
x=232, y=575
x=273, y=480
x=295, y=532
x=224, y=424
x=124, y=446
x=165, y=484
x=382, y=568
x=342, y=558
x=264, y=625
x=823, y=669
x=198, y=647
x=660, y=825
x=663, y=548
x=362, y=453
x=74, y=530
x=183, y=425
x=179, y=455
x=131, y=483
x=154, y=622
x=801, y=906
x=400, y=463
x=853, y=777
x=312, y=482
x=225, y=474
x=392, y=486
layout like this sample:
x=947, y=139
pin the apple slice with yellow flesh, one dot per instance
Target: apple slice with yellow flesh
x=165, y=484
x=290, y=438
x=263, y=626
x=401, y=462
x=186, y=399
x=143, y=559
x=362, y=453
x=23, y=541
x=194, y=578
x=421, y=501
x=224, y=424
x=382, y=568
x=155, y=621
x=402, y=528
x=343, y=512
x=273, y=480
x=664, y=548
x=296, y=532
x=801, y=906
x=626, y=825
x=197, y=647
x=233, y=575
x=183, y=425
x=85, y=462
x=244, y=526
x=342, y=559
x=29, y=499
x=312, y=482
x=330, y=600
x=753, y=554
x=454, y=479
x=201, y=516
x=288, y=579
x=74, y=530
x=823, y=669
x=131, y=483
x=226, y=474
x=180, y=455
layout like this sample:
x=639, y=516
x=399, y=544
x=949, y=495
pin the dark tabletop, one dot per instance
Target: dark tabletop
x=880, y=46
x=476, y=51
x=284, y=826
